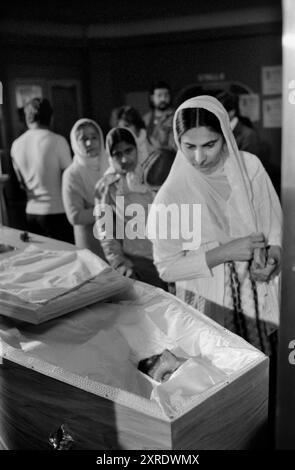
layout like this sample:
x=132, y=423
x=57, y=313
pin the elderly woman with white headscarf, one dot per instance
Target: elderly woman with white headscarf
x=232, y=272
x=79, y=182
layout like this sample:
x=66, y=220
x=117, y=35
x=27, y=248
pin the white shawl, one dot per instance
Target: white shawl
x=133, y=178
x=221, y=220
x=187, y=184
x=91, y=167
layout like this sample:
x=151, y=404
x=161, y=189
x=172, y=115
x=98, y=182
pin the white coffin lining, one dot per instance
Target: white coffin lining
x=114, y=394
x=123, y=397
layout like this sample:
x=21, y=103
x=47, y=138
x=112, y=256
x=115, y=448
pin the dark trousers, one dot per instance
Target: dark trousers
x=144, y=270
x=51, y=225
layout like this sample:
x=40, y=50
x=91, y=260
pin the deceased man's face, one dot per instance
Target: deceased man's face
x=164, y=366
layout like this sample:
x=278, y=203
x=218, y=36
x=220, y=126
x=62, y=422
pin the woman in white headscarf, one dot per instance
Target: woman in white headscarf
x=129, y=117
x=232, y=274
x=79, y=181
x=154, y=163
x=119, y=191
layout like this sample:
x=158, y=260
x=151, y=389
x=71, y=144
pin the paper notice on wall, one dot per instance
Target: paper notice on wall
x=249, y=105
x=24, y=93
x=272, y=80
x=211, y=77
x=272, y=113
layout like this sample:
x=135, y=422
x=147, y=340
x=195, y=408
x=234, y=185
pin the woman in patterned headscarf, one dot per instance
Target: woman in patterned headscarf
x=119, y=190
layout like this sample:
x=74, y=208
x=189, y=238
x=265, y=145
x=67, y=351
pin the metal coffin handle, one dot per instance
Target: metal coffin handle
x=61, y=439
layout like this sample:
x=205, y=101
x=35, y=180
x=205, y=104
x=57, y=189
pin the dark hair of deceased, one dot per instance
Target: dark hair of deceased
x=147, y=364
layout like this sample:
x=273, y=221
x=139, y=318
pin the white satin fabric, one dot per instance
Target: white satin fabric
x=96, y=348
x=37, y=276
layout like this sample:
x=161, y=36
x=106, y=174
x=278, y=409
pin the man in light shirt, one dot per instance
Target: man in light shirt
x=39, y=157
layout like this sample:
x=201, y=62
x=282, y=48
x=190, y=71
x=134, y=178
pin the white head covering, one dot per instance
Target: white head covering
x=133, y=180
x=91, y=162
x=108, y=142
x=221, y=219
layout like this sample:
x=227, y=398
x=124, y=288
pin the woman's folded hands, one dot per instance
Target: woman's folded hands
x=263, y=272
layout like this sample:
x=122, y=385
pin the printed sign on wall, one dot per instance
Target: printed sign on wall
x=249, y=105
x=272, y=80
x=272, y=113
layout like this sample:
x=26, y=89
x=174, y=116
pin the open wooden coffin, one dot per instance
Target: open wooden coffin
x=49, y=378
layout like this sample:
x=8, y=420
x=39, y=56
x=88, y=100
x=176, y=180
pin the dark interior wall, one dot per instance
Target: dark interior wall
x=110, y=69
x=107, y=72
x=105, y=87
x=133, y=66
x=46, y=62
x=39, y=61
